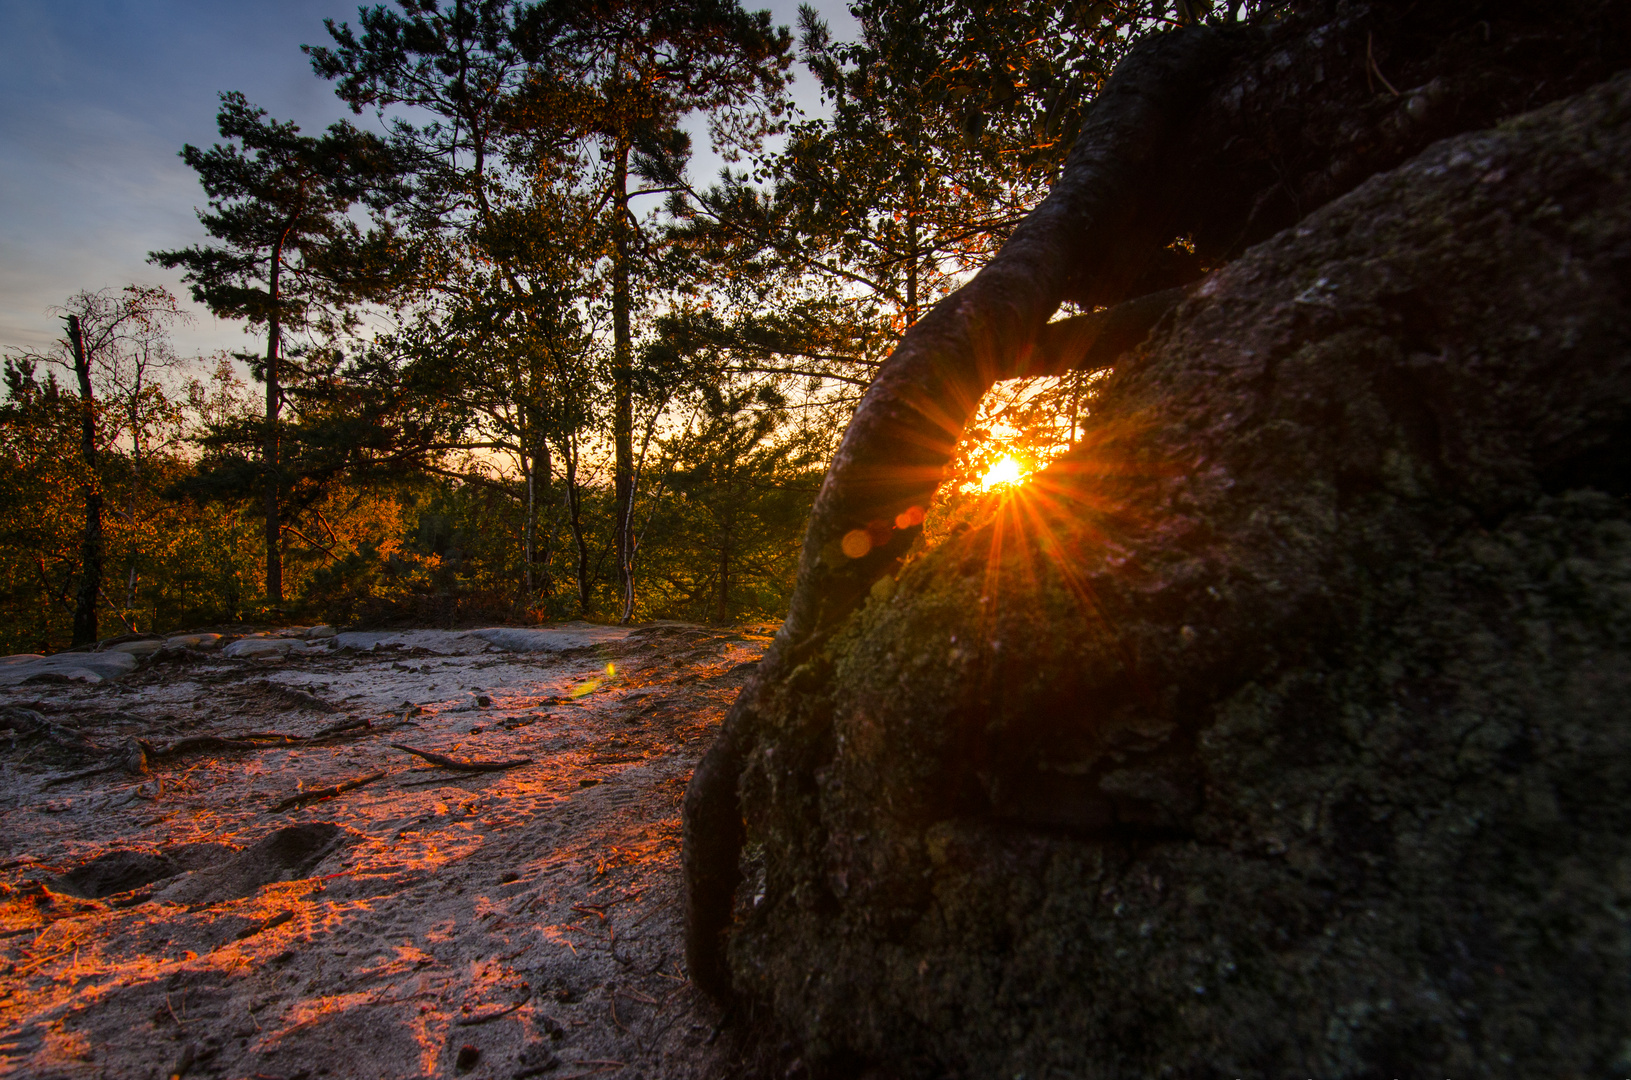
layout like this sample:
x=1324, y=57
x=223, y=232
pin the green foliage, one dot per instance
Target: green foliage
x=1025, y=422
x=590, y=388
x=731, y=515
x=168, y=565
x=287, y=254
x=547, y=122
x=288, y=258
x=944, y=123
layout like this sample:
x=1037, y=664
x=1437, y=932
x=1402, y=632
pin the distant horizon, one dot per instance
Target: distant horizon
x=99, y=99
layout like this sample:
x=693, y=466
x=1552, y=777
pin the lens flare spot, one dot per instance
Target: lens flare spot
x=1005, y=471
x=856, y=543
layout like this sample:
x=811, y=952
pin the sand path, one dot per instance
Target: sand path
x=428, y=922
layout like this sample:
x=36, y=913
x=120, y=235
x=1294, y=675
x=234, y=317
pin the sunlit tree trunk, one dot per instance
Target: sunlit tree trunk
x=911, y=262
x=535, y=463
x=526, y=539
x=269, y=452
x=90, y=559
x=530, y=515
x=574, y=518
x=135, y=479
x=622, y=383
x=914, y=199
x=1075, y=379
x=538, y=481
x=722, y=612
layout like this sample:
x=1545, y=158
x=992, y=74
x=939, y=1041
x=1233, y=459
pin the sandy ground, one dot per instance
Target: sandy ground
x=429, y=922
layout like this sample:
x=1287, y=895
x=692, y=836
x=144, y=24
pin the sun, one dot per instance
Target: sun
x=1005, y=471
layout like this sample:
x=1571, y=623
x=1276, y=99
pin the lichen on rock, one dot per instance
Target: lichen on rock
x=1278, y=728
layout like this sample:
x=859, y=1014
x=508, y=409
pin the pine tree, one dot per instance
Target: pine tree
x=582, y=104
x=287, y=256
x=945, y=121
x=624, y=74
x=499, y=347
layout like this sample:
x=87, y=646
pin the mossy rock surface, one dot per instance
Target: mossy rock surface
x=1281, y=728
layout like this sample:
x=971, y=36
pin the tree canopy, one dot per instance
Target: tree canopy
x=517, y=358
x=287, y=256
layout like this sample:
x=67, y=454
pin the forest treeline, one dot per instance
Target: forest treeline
x=512, y=358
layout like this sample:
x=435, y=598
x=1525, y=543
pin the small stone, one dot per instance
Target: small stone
x=193, y=641
x=133, y=757
x=259, y=648
x=137, y=648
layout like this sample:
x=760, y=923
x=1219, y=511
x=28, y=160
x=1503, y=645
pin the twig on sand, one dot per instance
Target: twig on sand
x=325, y=792
x=348, y=725
x=298, y=698
x=30, y=722
x=82, y=774
x=40, y=962
x=264, y=924
x=145, y=751
x=215, y=742
x=463, y=766
x=1370, y=58
x=482, y=1018
x=136, y=752
x=633, y=996
x=357, y=729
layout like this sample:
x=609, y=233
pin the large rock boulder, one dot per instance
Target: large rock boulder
x=85, y=667
x=1280, y=729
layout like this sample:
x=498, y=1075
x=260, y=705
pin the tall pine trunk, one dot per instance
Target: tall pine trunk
x=269, y=450
x=527, y=527
x=90, y=557
x=913, y=255
x=722, y=612
x=135, y=421
x=540, y=477
x=911, y=266
x=536, y=464
x=574, y=519
x=622, y=384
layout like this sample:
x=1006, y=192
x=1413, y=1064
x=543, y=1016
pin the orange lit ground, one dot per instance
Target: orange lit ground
x=407, y=943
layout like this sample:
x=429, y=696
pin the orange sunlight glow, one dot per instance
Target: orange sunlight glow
x=1004, y=471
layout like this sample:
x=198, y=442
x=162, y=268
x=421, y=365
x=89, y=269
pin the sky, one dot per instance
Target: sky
x=97, y=98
